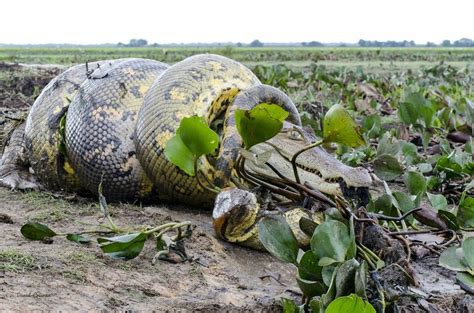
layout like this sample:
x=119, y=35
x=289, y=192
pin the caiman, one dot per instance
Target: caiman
x=108, y=123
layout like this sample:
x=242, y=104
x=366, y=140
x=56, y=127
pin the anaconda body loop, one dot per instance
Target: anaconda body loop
x=43, y=136
x=202, y=85
x=100, y=126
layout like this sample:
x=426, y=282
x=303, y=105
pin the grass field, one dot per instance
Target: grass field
x=296, y=57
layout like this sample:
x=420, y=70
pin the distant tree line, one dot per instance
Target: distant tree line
x=134, y=43
x=463, y=42
x=390, y=43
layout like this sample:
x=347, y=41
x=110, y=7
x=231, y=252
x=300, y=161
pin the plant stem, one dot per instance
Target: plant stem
x=293, y=159
x=167, y=225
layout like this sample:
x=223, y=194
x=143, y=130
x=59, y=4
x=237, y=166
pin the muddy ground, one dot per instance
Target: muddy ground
x=63, y=275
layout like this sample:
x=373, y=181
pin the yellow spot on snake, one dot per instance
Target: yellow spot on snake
x=177, y=95
x=143, y=89
x=68, y=168
x=163, y=138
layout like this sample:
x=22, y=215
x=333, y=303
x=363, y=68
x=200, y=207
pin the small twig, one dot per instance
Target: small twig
x=407, y=248
x=392, y=218
x=277, y=279
x=425, y=246
x=293, y=159
x=380, y=289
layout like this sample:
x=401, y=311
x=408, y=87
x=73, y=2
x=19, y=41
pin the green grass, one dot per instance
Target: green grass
x=12, y=260
x=69, y=56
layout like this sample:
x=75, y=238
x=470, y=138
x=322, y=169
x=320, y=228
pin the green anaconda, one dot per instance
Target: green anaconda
x=110, y=126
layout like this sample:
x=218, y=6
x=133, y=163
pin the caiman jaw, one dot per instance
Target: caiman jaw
x=316, y=166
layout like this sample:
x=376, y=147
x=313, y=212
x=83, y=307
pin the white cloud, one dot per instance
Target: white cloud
x=177, y=21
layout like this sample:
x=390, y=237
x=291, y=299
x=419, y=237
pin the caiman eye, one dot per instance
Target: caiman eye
x=294, y=135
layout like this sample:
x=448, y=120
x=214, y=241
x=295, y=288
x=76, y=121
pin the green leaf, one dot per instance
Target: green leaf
x=361, y=280
x=328, y=273
x=404, y=202
x=466, y=281
x=351, y=303
x=415, y=182
x=408, y=113
x=310, y=288
x=260, y=123
x=123, y=247
x=197, y=136
x=315, y=305
x=331, y=293
x=388, y=145
x=78, y=238
x=449, y=259
x=465, y=215
x=468, y=251
x=372, y=125
x=345, y=278
x=410, y=152
x=449, y=218
x=339, y=127
x=352, y=249
x=276, y=236
x=331, y=240
x=387, y=167
x=36, y=231
x=438, y=201
x=178, y=154
x=382, y=204
x=289, y=306
x=308, y=267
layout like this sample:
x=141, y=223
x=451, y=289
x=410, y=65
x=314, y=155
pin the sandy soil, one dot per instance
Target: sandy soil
x=68, y=276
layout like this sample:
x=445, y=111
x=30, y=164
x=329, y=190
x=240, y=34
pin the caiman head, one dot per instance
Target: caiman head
x=235, y=217
x=316, y=166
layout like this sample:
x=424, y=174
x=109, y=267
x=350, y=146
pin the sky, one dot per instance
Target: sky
x=180, y=21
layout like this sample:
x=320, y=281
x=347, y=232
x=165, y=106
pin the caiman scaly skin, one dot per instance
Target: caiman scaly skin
x=100, y=127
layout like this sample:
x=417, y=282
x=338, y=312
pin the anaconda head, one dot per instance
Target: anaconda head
x=316, y=166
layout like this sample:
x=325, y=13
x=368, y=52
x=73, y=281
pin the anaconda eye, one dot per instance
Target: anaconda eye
x=294, y=135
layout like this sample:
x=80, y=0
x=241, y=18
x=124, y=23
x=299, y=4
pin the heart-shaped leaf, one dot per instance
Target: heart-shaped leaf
x=197, y=136
x=123, y=247
x=345, y=277
x=276, y=236
x=310, y=288
x=308, y=267
x=351, y=303
x=36, y=231
x=465, y=215
x=438, y=201
x=260, y=123
x=466, y=281
x=338, y=126
x=468, y=251
x=415, y=182
x=387, y=167
x=178, y=154
x=331, y=240
x=449, y=259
